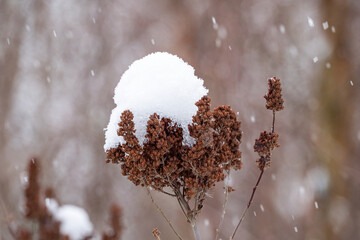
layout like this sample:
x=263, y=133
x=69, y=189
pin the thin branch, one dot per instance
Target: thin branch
x=248, y=206
x=163, y=214
x=223, y=207
x=273, y=123
x=195, y=230
x=182, y=209
x=256, y=185
x=170, y=194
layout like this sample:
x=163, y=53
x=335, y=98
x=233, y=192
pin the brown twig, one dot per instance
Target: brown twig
x=255, y=187
x=163, y=214
x=248, y=205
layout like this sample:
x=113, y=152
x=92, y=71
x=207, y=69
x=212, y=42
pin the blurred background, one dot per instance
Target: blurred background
x=61, y=60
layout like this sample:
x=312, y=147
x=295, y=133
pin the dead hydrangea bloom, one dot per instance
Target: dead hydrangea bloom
x=164, y=162
x=274, y=100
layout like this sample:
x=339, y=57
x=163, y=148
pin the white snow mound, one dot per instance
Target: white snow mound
x=74, y=221
x=159, y=83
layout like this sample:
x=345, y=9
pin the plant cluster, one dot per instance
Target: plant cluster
x=44, y=225
x=164, y=162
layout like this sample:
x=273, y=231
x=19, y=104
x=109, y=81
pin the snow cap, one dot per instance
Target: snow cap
x=74, y=221
x=159, y=83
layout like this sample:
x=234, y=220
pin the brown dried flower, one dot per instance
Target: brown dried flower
x=266, y=143
x=156, y=233
x=36, y=210
x=274, y=100
x=263, y=146
x=32, y=191
x=116, y=226
x=163, y=161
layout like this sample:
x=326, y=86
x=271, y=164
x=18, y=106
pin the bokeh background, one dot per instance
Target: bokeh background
x=59, y=64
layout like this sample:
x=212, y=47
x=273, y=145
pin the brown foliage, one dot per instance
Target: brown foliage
x=163, y=161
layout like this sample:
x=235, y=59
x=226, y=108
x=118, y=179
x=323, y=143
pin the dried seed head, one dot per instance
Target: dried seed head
x=116, y=226
x=163, y=161
x=156, y=233
x=263, y=146
x=32, y=191
x=274, y=100
x=266, y=143
x=263, y=162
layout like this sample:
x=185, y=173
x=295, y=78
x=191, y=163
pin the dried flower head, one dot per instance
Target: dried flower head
x=156, y=233
x=274, y=100
x=32, y=191
x=266, y=143
x=263, y=146
x=163, y=161
x=116, y=226
x=49, y=228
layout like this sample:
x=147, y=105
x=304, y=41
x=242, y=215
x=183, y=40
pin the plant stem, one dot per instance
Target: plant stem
x=195, y=230
x=249, y=203
x=163, y=214
x=223, y=208
x=273, y=122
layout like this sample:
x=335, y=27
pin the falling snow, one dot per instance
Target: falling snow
x=302, y=190
x=92, y=73
x=54, y=33
x=262, y=207
x=252, y=118
x=325, y=25
x=206, y=222
x=333, y=29
x=282, y=28
x=315, y=59
x=8, y=41
x=310, y=22
x=351, y=83
x=254, y=213
x=316, y=204
x=218, y=42
x=152, y=41
x=328, y=65
x=215, y=25
x=24, y=178
x=296, y=229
